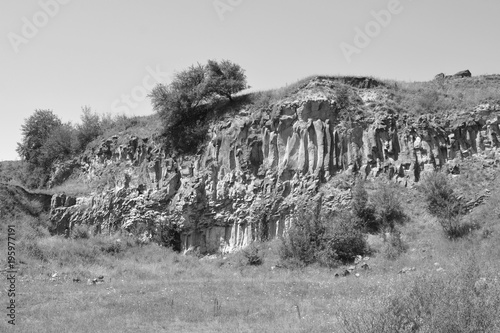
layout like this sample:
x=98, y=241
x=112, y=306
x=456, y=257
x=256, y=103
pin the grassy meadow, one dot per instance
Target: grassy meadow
x=447, y=286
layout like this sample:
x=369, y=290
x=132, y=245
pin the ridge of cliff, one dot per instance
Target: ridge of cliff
x=259, y=163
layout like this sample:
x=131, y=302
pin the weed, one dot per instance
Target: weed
x=80, y=232
x=461, y=302
x=394, y=245
x=252, y=255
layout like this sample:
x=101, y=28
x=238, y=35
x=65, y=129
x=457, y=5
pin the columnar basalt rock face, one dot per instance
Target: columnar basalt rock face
x=257, y=167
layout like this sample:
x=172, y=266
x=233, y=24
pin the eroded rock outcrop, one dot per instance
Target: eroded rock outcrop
x=258, y=166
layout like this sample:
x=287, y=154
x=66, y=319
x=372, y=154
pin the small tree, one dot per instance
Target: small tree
x=343, y=97
x=90, y=127
x=61, y=143
x=225, y=78
x=445, y=205
x=363, y=212
x=327, y=239
x=36, y=130
x=387, y=207
x=181, y=104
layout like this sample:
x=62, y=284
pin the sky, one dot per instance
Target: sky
x=108, y=54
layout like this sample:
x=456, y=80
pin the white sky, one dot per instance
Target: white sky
x=95, y=52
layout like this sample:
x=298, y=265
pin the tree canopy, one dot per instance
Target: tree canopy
x=182, y=103
x=36, y=130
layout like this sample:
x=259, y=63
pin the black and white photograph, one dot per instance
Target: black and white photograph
x=240, y=166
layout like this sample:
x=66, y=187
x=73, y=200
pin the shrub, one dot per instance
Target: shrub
x=90, y=128
x=327, y=240
x=457, y=302
x=387, y=207
x=252, y=255
x=225, y=78
x=445, y=205
x=394, y=245
x=169, y=235
x=182, y=104
x=303, y=239
x=361, y=209
x=380, y=211
x=36, y=130
x=455, y=226
x=438, y=192
x=80, y=232
x=344, y=239
x=343, y=97
x=428, y=100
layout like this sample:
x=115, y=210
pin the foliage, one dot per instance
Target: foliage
x=182, y=104
x=344, y=240
x=327, y=240
x=45, y=140
x=90, y=128
x=394, y=245
x=445, y=205
x=387, y=207
x=169, y=236
x=252, y=255
x=80, y=232
x=427, y=101
x=378, y=212
x=439, y=194
x=225, y=78
x=460, y=302
x=60, y=144
x=343, y=97
x=361, y=209
x=36, y=130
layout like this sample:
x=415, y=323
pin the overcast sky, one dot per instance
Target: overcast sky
x=64, y=54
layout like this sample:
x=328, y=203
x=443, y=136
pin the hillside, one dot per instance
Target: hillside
x=267, y=152
x=337, y=204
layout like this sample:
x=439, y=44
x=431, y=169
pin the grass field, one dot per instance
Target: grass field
x=454, y=287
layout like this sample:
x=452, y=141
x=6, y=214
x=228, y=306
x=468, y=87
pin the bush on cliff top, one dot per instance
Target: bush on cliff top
x=182, y=104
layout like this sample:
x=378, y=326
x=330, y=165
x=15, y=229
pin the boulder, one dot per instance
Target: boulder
x=465, y=73
x=439, y=76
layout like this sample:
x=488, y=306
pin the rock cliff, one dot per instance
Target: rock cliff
x=258, y=165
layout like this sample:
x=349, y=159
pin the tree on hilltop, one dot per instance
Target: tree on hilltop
x=36, y=130
x=225, y=78
x=182, y=103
